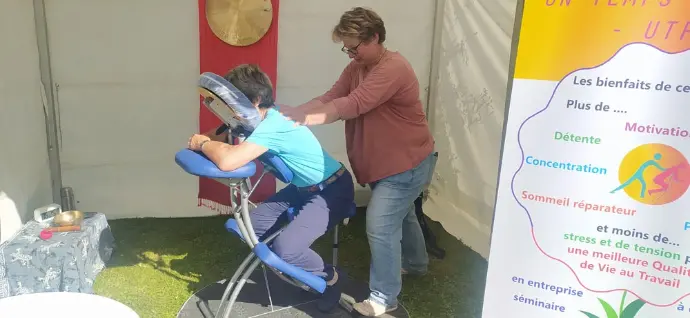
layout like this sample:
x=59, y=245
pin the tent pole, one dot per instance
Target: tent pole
x=434, y=62
x=48, y=97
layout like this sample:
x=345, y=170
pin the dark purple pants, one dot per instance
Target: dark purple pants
x=316, y=213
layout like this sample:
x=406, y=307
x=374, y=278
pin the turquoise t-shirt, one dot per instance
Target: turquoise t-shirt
x=296, y=146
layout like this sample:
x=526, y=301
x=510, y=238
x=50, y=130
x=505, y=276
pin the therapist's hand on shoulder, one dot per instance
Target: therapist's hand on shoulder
x=196, y=140
x=293, y=113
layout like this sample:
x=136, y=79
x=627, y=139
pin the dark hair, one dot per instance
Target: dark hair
x=253, y=83
x=360, y=23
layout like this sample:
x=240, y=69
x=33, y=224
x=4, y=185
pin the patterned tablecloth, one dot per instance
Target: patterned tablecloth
x=67, y=262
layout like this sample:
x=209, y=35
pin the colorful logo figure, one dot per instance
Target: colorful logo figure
x=654, y=174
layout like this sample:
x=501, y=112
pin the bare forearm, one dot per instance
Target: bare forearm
x=321, y=114
x=218, y=152
x=311, y=105
x=312, y=113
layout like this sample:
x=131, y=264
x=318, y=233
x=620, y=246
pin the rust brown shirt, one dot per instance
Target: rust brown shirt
x=386, y=130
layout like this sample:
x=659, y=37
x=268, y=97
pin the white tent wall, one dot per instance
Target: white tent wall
x=24, y=169
x=124, y=75
x=125, y=72
x=467, y=109
x=122, y=84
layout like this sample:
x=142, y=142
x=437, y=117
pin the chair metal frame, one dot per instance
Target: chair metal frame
x=241, y=212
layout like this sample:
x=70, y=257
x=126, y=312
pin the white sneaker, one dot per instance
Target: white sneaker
x=370, y=308
x=406, y=272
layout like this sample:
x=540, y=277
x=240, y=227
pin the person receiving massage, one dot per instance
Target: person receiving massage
x=389, y=145
x=321, y=190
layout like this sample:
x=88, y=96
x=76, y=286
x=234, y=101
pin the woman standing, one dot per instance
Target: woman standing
x=389, y=145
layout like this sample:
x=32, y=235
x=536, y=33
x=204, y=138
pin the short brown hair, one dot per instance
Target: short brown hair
x=253, y=83
x=360, y=23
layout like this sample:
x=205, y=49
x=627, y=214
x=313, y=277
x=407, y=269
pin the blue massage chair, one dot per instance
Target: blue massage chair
x=236, y=111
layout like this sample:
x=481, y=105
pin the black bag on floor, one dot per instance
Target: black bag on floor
x=431, y=243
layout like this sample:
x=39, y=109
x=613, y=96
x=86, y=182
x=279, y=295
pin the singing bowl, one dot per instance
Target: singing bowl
x=68, y=218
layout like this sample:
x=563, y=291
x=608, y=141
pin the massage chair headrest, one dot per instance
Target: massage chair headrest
x=230, y=105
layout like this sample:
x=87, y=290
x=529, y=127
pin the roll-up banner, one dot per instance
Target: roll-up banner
x=592, y=214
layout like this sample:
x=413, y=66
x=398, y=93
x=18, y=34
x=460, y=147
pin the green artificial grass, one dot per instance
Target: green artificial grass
x=159, y=263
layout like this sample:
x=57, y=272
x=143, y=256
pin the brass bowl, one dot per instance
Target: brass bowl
x=68, y=218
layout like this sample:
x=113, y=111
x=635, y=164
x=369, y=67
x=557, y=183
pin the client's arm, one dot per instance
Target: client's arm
x=227, y=157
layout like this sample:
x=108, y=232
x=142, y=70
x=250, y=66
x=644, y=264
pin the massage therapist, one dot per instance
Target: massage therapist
x=389, y=145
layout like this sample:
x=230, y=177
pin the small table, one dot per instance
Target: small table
x=67, y=262
x=64, y=305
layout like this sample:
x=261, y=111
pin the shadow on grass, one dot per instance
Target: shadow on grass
x=159, y=263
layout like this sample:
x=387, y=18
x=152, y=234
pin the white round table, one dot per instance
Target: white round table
x=63, y=305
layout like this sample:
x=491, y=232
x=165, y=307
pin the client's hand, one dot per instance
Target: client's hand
x=295, y=114
x=196, y=140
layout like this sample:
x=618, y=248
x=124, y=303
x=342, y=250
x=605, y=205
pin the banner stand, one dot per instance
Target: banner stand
x=591, y=212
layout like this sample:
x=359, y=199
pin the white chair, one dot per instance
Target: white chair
x=10, y=222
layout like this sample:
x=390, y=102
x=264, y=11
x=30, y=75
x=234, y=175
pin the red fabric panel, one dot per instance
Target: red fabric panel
x=219, y=57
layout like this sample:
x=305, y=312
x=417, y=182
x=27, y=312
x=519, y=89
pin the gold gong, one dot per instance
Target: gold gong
x=239, y=22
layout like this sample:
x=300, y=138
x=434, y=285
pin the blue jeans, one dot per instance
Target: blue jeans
x=395, y=237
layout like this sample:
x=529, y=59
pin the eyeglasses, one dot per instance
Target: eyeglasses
x=352, y=51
